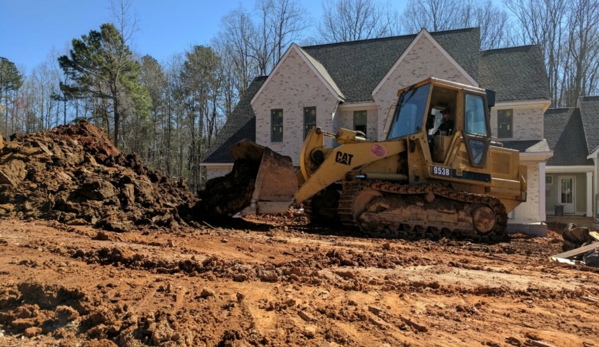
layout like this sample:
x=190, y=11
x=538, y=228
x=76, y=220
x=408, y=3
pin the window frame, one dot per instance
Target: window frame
x=306, y=124
x=510, y=123
x=365, y=125
x=469, y=123
x=279, y=124
x=477, y=144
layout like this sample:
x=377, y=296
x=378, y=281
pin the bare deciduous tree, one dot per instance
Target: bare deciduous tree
x=543, y=22
x=236, y=41
x=288, y=21
x=350, y=20
x=439, y=15
x=434, y=15
x=581, y=63
x=494, y=22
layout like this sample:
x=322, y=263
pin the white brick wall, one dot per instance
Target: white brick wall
x=424, y=60
x=293, y=86
x=528, y=212
x=345, y=119
x=527, y=122
x=217, y=172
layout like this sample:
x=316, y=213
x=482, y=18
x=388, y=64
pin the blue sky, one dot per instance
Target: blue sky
x=30, y=29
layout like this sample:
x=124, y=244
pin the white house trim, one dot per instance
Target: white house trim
x=425, y=33
x=594, y=155
x=570, y=169
x=296, y=48
x=542, y=195
x=358, y=106
x=523, y=104
x=589, y=194
x=535, y=156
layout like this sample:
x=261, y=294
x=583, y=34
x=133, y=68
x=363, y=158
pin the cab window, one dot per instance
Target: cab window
x=410, y=111
x=475, y=122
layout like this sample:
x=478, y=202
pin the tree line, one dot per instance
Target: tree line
x=170, y=112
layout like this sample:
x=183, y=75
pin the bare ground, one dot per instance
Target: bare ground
x=278, y=282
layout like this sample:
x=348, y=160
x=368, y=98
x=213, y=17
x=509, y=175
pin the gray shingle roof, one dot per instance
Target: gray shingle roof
x=359, y=66
x=565, y=135
x=515, y=73
x=240, y=125
x=589, y=112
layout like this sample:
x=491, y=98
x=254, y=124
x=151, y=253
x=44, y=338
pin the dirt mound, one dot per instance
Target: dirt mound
x=75, y=175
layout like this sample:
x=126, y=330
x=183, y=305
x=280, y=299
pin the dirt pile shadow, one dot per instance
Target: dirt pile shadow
x=75, y=175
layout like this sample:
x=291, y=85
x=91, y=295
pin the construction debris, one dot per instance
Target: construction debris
x=575, y=236
x=579, y=244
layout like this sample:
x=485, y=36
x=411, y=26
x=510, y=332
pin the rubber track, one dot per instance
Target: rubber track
x=498, y=234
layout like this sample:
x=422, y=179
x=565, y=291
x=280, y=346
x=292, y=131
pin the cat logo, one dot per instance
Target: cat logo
x=344, y=158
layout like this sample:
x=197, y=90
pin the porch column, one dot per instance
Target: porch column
x=542, y=216
x=590, y=194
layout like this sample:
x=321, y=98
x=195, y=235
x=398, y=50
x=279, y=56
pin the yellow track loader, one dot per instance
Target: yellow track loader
x=418, y=183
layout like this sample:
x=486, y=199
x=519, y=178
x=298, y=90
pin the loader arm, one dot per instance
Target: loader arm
x=343, y=160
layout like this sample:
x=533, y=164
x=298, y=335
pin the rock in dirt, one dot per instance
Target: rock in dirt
x=32, y=331
x=375, y=310
x=102, y=236
x=75, y=175
x=206, y=293
x=306, y=316
x=310, y=331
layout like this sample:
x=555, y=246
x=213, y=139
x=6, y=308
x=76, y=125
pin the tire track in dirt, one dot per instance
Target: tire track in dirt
x=296, y=289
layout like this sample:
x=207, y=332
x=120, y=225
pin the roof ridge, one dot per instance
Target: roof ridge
x=590, y=97
x=388, y=38
x=453, y=30
x=561, y=108
x=509, y=48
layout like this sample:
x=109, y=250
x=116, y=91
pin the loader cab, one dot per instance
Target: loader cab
x=419, y=108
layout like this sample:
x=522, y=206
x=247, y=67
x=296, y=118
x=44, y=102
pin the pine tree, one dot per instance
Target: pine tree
x=101, y=66
x=10, y=81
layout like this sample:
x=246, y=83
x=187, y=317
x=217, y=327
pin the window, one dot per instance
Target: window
x=548, y=180
x=504, y=123
x=475, y=122
x=360, y=121
x=276, y=125
x=309, y=119
x=409, y=112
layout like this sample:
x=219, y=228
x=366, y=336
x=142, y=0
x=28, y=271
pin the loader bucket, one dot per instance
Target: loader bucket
x=275, y=184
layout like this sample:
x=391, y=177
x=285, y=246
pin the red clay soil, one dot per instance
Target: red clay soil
x=274, y=283
x=67, y=280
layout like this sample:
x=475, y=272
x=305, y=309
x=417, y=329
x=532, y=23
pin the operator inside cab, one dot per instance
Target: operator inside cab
x=445, y=128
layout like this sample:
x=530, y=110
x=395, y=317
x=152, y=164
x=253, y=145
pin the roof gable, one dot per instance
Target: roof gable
x=358, y=67
x=316, y=67
x=565, y=135
x=424, y=35
x=589, y=113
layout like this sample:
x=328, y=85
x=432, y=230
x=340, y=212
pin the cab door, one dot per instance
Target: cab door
x=476, y=130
